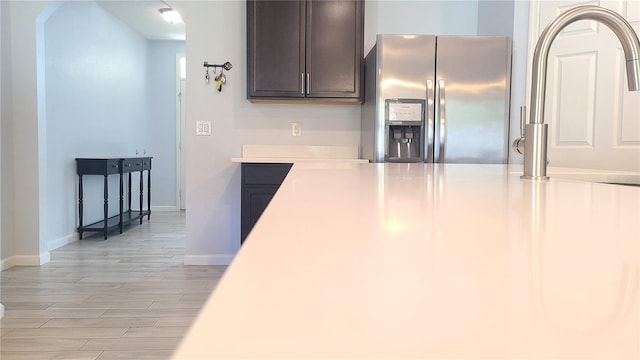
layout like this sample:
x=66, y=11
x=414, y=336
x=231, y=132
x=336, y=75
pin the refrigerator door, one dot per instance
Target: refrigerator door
x=473, y=84
x=406, y=70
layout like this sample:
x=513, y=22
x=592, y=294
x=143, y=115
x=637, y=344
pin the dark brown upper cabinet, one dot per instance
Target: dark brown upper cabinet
x=305, y=50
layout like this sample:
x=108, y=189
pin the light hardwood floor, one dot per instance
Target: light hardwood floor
x=128, y=297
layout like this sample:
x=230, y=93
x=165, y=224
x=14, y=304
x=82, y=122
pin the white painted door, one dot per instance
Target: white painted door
x=594, y=121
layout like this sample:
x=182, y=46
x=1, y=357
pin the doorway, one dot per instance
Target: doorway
x=97, y=116
x=181, y=198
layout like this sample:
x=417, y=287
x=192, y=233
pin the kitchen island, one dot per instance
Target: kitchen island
x=430, y=261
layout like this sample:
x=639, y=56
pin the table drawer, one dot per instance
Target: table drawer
x=129, y=165
x=87, y=166
x=146, y=164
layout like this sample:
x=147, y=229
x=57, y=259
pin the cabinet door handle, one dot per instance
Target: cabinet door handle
x=308, y=84
x=302, y=83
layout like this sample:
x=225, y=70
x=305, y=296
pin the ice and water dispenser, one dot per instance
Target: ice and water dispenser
x=404, y=130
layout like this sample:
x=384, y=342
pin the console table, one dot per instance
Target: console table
x=114, y=166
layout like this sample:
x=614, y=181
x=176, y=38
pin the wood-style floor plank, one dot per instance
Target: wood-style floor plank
x=129, y=297
x=51, y=355
x=137, y=355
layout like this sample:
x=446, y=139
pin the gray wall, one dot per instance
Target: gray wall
x=495, y=17
x=162, y=119
x=109, y=93
x=419, y=17
x=6, y=137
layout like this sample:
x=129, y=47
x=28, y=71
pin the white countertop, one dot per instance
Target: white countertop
x=594, y=175
x=426, y=261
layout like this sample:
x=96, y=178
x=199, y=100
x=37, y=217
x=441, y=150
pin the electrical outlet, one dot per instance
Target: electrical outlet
x=296, y=129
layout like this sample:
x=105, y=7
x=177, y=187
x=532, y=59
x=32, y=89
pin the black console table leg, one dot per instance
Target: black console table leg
x=80, y=206
x=106, y=207
x=121, y=201
x=149, y=194
x=129, y=195
x=141, y=199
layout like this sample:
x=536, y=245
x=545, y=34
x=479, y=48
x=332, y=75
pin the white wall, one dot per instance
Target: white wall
x=437, y=17
x=96, y=106
x=7, y=246
x=28, y=212
x=213, y=182
x=1, y=117
x=495, y=17
x=162, y=120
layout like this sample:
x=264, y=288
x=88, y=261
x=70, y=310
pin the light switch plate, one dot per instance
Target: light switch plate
x=203, y=128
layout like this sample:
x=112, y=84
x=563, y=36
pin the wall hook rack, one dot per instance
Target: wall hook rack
x=227, y=65
x=221, y=78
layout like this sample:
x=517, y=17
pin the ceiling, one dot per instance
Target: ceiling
x=144, y=18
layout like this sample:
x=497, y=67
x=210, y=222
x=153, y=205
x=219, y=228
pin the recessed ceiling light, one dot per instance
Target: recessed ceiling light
x=171, y=16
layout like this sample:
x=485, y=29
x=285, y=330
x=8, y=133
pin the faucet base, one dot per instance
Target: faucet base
x=534, y=178
x=535, y=150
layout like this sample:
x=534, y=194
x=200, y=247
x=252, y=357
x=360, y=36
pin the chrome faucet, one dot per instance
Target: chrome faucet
x=535, y=132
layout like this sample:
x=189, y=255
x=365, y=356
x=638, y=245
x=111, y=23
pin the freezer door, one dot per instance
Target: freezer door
x=472, y=93
x=406, y=70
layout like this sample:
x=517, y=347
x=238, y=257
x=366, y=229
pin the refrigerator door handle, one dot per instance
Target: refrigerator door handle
x=428, y=151
x=302, y=83
x=442, y=122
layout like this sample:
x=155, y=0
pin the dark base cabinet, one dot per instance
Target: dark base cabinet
x=260, y=181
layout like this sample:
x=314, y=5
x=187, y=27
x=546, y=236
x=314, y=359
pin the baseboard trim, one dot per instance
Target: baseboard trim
x=164, y=208
x=62, y=241
x=160, y=209
x=25, y=260
x=7, y=263
x=208, y=259
x=33, y=260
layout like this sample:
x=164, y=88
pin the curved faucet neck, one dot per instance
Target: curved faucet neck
x=614, y=21
x=535, y=143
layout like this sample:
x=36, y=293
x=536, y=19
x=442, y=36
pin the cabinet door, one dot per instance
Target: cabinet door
x=259, y=184
x=334, y=48
x=275, y=48
x=254, y=202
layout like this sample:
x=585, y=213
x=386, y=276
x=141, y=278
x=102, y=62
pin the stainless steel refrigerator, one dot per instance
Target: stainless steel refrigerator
x=437, y=99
